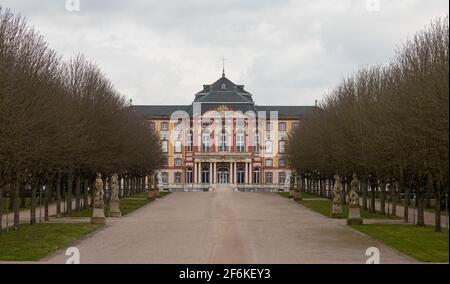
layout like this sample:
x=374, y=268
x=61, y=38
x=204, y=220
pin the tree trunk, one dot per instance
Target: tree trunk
x=373, y=192
x=92, y=195
x=69, y=193
x=16, y=206
x=1, y=209
x=48, y=188
x=78, y=193
x=364, y=195
x=85, y=193
x=105, y=195
x=407, y=191
x=33, y=204
x=383, y=198
x=58, y=196
x=420, y=202
x=394, y=196
x=437, y=210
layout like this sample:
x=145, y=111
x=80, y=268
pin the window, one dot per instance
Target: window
x=281, y=177
x=165, y=146
x=269, y=147
x=165, y=162
x=189, y=175
x=189, y=142
x=240, y=142
x=295, y=125
x=165, y=177
x=223, y=143
x=223, y=86
x=240, y=175
x=282, y=163
x=282, y=126
x=256, y=174
x=205, y=175
x=257, y=145
x=268, y=126
x=177, y=177
x=268, y=163
x=177, y=146
x=164, y=126
x=281, y=146
x=178, y=162
x=269, y=178
x=205, y=142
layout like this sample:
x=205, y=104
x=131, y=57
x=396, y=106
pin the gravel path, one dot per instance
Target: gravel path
x=226, y=227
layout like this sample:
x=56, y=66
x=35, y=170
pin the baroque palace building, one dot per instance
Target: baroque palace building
x=223, y=139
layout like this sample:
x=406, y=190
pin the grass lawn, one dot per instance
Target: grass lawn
x=421, y=243
x=324, y=207
x=33, y=242
x=127, y=205
x=303, y=195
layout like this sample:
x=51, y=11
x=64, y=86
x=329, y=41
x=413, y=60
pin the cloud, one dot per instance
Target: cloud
x=285, y=52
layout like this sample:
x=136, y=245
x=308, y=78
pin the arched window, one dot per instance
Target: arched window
x=240, y=175
x=189, y=175
x=205, y=175
x=256, y=175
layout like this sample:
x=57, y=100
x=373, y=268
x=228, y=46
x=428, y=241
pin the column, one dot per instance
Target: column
x=199, y=176
x=231, y=173
x=194, y=173
x=251, y=172
x=246, y=173
x=235, y=172
x=215, y=172
x=211, y=173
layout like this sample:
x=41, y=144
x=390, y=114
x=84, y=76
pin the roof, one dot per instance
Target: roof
x=287, y=111
x=222, y=92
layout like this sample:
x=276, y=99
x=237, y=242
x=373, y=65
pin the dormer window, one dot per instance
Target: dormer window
x=223, y=87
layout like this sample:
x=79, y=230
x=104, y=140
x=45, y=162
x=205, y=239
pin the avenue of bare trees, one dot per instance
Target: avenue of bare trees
x=61, y=122
x=389, y=125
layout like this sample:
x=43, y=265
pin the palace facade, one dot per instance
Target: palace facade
x=223, y=139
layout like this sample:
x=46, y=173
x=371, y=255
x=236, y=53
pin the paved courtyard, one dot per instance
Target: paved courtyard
x=226, y=227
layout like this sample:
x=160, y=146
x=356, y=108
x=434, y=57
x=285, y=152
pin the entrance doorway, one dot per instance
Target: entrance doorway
x=223, y=175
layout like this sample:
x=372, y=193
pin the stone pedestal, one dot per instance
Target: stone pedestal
x=157, y=192
x=336, y=211
x=151, y=194
x=291, y=194
x=354, y=216
x=114, y=209
x=98, y=216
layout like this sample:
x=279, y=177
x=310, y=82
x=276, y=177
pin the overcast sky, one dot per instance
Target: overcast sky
x=285, y=52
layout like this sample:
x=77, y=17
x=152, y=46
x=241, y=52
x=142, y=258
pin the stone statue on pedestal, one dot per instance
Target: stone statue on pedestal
x=151, y=188
x=114, y=203
x=98, y=214
x=336, y=209
x=158, y=183
x=354, y=191
x=354, y=211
